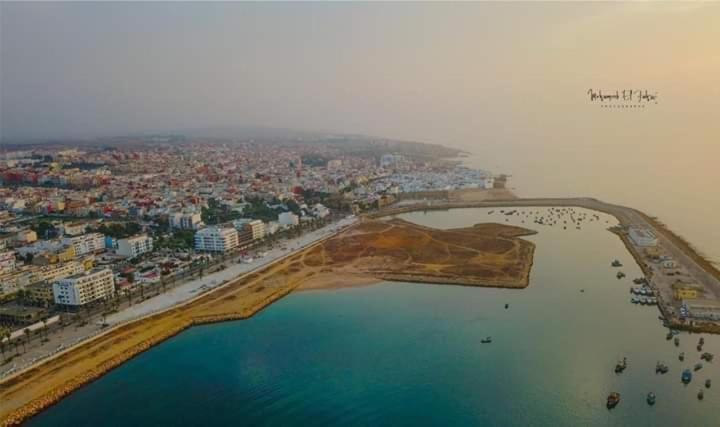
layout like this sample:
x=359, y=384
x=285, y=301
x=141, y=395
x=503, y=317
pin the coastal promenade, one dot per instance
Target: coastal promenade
x=176, y=297
x=692, y=266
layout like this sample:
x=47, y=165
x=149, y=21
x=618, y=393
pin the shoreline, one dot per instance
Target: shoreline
x=175, y=320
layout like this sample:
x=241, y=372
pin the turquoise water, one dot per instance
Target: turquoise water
x=406, y=354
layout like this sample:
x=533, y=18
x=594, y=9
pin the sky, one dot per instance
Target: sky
x=428, y=71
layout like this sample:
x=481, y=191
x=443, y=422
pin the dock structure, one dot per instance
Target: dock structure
x=663, y=256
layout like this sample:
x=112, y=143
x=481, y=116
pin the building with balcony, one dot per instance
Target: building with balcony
x=216, y=239
x=134, y=246
x=84, y=288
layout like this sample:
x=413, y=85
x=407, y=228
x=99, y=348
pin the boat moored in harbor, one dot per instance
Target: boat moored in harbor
x=613, y=400
x=661, y=368
x=486, y=340
x=686, y=376
x=651, y=398
x=621, y=365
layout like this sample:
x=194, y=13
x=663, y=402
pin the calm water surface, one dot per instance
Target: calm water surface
x=407, y=354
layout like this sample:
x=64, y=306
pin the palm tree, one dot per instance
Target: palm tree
x=44, y=329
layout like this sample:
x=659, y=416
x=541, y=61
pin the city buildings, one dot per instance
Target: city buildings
x=216, y=239
x=84, y=288
x=134, y=246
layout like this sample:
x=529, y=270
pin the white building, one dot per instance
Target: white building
x=320, y=211
x=642, y=236
x=87, y=243
x=215, y=239
x=83, y=288
x=186, y=221
x=134, y=246
x=288, y=218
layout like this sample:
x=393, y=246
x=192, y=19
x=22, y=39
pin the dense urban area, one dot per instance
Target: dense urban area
x=89, y=230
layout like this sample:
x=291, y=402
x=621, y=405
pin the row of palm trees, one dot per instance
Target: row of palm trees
x=25, y=339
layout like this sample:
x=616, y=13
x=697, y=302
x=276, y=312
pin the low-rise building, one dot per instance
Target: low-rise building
x=288, y=219
x=642, y=236
x=216, y=239
x=134, y=246
x=84, y=288
x=74, y=228
x=704, y=309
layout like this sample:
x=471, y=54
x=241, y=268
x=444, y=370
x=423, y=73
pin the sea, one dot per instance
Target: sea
x=411, y=354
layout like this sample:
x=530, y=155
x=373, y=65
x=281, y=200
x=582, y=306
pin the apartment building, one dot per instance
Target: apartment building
x=84, y=288
x=86, y=243
x=134, y=246
x=185, y=221
x=216, y=239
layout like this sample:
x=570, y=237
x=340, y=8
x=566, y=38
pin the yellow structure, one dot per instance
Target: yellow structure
x=683, y=291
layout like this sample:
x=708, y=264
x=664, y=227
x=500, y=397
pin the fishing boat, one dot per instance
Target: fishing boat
x=616, y=263
x=651, y=398
x=708, y=357
x=669, y=336
x=677, y=341
x=698, y=366
x=486, y=340
x=620, y=275
x=686, y=376
x=661, y=368
x=701, y=341
x=701, y=395
x=681, y=356
x=613, y=400
x=708, y=383
x=621, y=365
x=507, y=306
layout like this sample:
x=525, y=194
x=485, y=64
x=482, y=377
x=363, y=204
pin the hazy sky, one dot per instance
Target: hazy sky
x=442, y=72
